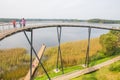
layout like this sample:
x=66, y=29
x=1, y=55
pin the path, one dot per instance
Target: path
x=74, y=74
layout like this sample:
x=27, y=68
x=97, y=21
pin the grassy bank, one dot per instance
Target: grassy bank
x=111, y=72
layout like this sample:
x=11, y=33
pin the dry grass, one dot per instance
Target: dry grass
x=13, y=63
x=73, y=53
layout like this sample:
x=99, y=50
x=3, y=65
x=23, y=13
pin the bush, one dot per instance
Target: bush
x=115, y=67
x=109, y=43
x=97, y=56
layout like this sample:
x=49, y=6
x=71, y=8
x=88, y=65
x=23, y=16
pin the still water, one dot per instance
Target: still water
x=48, y=36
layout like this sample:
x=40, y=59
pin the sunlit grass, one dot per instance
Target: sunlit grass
x=53, y=74
x=103, y=74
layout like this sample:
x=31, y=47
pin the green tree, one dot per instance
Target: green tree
x=116, y=33
x=109, y=43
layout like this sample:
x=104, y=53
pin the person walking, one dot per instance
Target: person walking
x=23, y=22
x=14, y=23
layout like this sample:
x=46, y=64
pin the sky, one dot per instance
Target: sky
x=60, y=9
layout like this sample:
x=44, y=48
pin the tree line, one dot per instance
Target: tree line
x=104, y=21
x=64, y=20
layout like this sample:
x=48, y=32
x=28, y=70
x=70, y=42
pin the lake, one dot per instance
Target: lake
x=48, y=36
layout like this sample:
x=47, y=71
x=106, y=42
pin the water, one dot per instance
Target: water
x=48, y=36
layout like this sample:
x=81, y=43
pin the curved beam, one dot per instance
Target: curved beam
x=14, y=31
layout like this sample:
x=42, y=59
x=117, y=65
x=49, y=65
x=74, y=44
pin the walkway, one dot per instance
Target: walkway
x=6, y=33
x=74, y=74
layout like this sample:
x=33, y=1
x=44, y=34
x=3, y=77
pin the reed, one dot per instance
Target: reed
x=73, y=53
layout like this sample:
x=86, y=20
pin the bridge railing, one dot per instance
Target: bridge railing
x=8, y=26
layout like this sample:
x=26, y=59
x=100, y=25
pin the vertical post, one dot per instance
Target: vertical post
x=31, y=54
x=59, y=29
x=88, y=48
x=3, y=28
x=8, y=25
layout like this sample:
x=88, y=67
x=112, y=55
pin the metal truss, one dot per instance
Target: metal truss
x=32, y=49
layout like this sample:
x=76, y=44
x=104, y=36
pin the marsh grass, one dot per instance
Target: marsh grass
x=73, y=53
x=13, y=63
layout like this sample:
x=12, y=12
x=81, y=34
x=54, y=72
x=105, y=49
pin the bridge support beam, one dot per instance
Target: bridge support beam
x=87, y=60
x=32, y=49
x=31, y=55
x=59, y=55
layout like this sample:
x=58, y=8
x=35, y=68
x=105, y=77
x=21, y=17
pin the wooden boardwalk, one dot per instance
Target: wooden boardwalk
x=35, y=62
x=77, y=73
x=6, y=33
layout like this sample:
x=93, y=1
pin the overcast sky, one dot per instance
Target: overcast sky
x=63, y=9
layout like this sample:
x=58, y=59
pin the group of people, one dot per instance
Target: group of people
x=22, y=23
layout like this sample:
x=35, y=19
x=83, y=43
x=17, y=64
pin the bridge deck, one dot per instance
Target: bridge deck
x=69, y=76
x=9, y=32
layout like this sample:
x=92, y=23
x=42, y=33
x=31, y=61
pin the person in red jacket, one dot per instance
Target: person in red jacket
x=14, y=23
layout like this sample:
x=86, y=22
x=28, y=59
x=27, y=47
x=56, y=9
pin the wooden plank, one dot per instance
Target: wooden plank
x=35, y=62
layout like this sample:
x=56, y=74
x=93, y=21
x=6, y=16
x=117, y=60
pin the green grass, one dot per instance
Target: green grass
x=90, y=76
x=103, y=74
x=92, y=63
x=115, y=67
x=66, y=70
x=77, y=67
